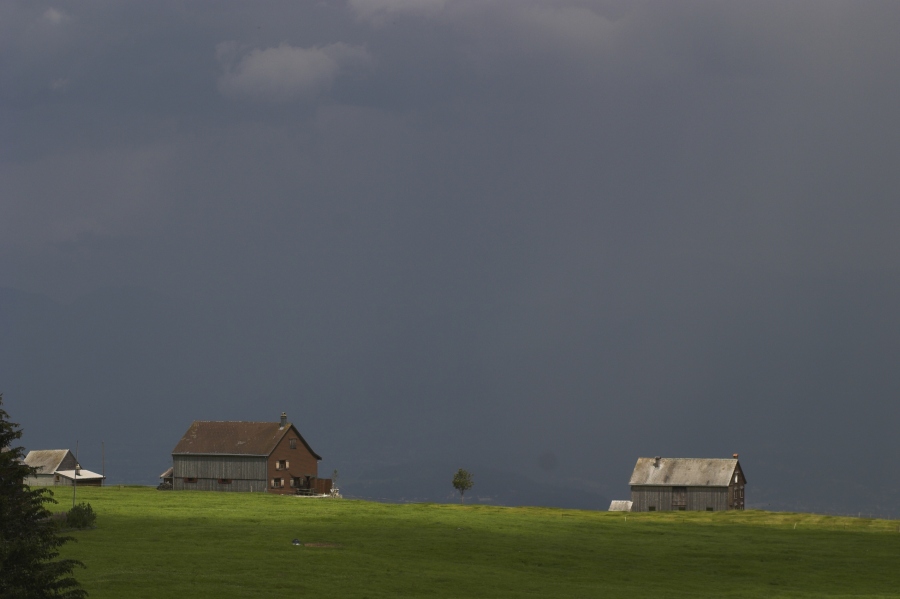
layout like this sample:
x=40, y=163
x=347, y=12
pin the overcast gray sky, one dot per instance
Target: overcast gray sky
x=545, y=237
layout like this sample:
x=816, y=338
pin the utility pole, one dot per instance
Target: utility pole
x=75, y=482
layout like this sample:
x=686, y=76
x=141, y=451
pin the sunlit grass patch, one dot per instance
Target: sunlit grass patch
x=159, y=544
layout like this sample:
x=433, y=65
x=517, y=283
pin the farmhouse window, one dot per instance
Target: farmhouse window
x=277, y=483
x=281, y=465
x=293, y=443
x=224, y=481
x=190, y=479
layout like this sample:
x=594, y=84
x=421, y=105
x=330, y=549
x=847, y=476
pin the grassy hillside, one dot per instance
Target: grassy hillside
x=192, y=544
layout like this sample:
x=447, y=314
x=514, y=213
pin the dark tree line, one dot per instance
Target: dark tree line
x=29, y=540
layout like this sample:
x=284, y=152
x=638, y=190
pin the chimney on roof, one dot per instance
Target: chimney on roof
x=656, y=462
x=283, y=419
x=734, y=455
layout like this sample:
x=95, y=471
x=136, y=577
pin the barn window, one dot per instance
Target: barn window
x=293, y=443
x=190, y=479
x=709, y=509
x=652, y=508
x=224, y=481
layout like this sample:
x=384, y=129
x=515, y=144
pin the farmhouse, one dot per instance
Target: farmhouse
x=58, y=467
x=663, y=484
x=246, y=456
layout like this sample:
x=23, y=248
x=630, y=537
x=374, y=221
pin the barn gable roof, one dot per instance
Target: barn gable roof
x=684, y=472
x=206, y=437
x=47, y=461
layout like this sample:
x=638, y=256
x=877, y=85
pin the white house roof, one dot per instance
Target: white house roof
x=684, y=472
x=46, y=460
x=83, y=474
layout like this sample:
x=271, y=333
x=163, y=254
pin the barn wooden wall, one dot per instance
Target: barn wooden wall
x=212, y=484
x=247, y=473
x=697, y=498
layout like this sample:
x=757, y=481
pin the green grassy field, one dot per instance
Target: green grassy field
x=156, y=544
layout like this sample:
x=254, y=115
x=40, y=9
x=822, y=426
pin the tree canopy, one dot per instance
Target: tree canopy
x=29, y=540
x=462, y=482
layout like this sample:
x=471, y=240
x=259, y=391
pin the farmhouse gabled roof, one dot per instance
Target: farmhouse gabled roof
x=684, y=472
x=206, y=437
x=47, y=461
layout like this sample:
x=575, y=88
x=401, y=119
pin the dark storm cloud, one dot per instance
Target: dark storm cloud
x=500, y=232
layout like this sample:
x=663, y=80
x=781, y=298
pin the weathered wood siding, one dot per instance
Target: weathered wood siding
x=45, y=480
x=703, y=498
x=696, y=498
x=643, y=498
x=213, y=484
x=51, y=481
x=246, y=473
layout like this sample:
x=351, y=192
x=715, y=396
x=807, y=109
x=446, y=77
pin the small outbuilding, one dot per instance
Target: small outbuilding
x=166, y=480
x=82, y=476
x=665, y=484
x=57, y=467
x=620, y=505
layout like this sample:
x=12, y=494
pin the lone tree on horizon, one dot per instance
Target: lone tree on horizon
x=462, y=482
x=29, y=543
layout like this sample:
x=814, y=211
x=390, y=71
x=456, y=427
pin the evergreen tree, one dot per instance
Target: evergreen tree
x=29, y=541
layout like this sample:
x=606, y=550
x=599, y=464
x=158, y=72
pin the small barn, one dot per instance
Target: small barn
x=57, y=467
x=256, y=457
x=81, y=476
x=665, y=484
x=165, y=479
